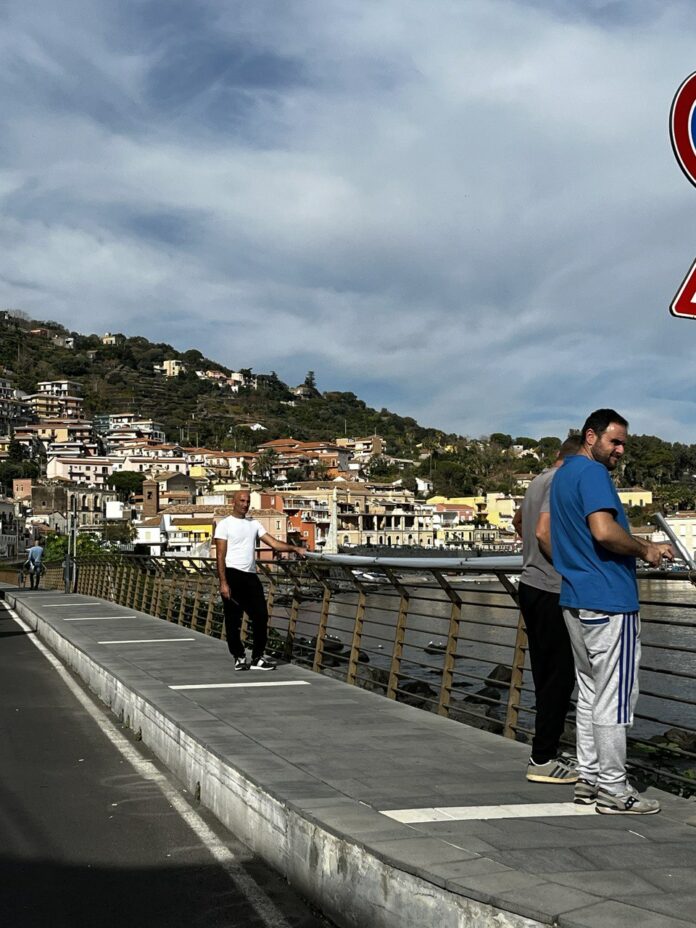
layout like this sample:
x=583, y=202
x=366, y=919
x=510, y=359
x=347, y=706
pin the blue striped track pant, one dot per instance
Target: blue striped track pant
x=606, y=650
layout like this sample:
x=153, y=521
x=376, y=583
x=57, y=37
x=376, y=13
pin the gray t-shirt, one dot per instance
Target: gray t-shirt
x=537, y=571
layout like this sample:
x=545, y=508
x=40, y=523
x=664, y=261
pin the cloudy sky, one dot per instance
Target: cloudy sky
x=467, y=211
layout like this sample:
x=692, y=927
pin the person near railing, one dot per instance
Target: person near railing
x=595, y=554
x=240, y=588
x=550, y=653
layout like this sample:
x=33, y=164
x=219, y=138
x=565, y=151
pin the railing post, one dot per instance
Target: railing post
x=517, y=669
x=182, y=604
x=399, y=636
x=212, y=596
x=353, y=660
x=323, y=624
x=145, y=570
x=157, y=593
x=443, y=702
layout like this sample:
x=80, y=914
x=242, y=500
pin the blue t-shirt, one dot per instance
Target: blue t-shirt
x=593, y=577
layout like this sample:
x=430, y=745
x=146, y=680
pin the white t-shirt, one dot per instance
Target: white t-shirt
x=240, y=535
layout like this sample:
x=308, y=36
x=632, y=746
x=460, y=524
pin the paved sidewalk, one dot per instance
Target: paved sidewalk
x=405, y=793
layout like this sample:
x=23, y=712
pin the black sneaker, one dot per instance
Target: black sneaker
x=241, y=664
x=263, y=663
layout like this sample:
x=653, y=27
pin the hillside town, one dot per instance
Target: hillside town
x=127, y=486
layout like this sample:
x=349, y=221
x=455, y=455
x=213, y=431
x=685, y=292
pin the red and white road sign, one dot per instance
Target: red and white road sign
x=682, y=127
x=684, y=302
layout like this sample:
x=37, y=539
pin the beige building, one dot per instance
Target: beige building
x=683, y=524
x=53, y=406
x=171, y=368
x=635, y=496
x=364, y=514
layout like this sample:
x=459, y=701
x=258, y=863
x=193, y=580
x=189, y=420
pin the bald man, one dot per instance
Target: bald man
x=240, y=587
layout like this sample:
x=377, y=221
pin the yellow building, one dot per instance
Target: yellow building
x=635, y=496
x=495, y=508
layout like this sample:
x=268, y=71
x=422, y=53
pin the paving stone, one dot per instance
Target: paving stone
x=489, y=887
x=612, y=883
x=543, y=861
x=477, y=866
x=545, y=901
x=639, y=855
x=669, y=879
x=618, y=915
x=421, y=855
x=675, y=905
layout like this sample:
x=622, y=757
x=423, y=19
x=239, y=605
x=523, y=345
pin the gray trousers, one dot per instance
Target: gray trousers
x=606, y=649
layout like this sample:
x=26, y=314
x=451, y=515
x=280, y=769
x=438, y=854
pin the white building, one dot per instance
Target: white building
x=86, y=471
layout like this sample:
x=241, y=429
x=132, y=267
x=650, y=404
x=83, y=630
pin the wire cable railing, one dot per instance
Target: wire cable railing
x=443, y=635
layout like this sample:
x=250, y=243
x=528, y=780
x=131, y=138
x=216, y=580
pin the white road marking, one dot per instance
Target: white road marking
x=265, y=907
x=98, y=618
x=223, y=686
x=482, y=813
x=74, y=605
x=143, y=640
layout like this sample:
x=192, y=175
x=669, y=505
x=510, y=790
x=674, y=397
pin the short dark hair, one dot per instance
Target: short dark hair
x=600, y=420
x=570, y=446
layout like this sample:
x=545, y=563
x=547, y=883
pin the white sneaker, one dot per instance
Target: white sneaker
x=629, y=802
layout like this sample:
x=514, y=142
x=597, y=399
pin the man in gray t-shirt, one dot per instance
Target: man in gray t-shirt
x=550, y=653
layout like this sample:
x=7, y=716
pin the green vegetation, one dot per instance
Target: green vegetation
x=16, y=466
x=120, y=378
x=126, y=483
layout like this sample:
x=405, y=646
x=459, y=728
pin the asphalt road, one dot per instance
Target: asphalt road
x=87, y=841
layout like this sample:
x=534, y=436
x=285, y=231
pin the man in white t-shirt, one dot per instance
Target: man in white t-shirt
x=240, y=588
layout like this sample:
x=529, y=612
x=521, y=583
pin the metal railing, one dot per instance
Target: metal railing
x=436, y=634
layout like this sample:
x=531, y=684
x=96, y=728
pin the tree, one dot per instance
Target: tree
x=16, y=452
x=126, y=483
x=57, y=547
x=310, y=380
x=528, y=444
x=501, y=439
x=263, y=467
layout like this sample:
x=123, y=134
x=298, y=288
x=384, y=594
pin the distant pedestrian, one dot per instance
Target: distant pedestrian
x=33, y=564
x=240, y=588
x=550, y=653
x=595, y=554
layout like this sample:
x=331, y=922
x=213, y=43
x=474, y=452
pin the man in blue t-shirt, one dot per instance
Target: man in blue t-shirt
x=595, y=554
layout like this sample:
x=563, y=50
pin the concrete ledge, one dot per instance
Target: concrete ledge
x=322, y=847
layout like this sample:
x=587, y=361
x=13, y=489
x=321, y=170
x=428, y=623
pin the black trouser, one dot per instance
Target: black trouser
x=34, y=577
x=246, y=595
x=553, y=668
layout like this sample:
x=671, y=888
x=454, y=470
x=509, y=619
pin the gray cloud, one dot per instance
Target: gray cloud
x=469, y=212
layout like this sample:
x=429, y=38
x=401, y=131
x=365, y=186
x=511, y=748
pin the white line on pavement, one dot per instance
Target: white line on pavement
x=143, y=640
x=99, y=618
x=70, y=605
x=222, y=686
x=269, y=913
x=481, y=813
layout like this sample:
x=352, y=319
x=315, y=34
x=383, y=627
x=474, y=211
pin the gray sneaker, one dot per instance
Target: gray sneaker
x=585, y=793
x=557, y=770
x=629, y=802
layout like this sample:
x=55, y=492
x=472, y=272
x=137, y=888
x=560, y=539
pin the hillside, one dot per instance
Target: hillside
x=120, y=378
